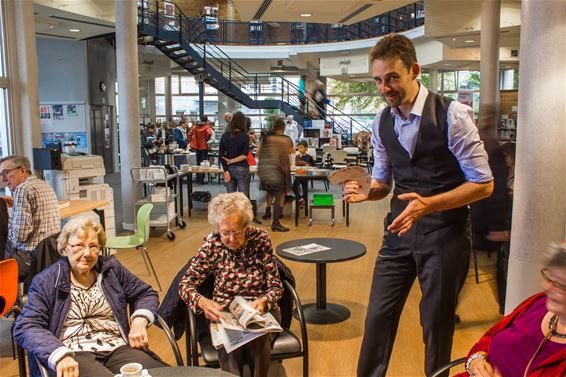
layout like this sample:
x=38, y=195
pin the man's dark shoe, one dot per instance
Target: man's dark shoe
x=279, y=228
x=267, y=213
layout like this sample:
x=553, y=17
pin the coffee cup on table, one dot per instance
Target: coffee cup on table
x=131, y=370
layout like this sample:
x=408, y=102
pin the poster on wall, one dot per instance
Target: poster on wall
x=58, y=112
x=45, y=116
x=72, y=111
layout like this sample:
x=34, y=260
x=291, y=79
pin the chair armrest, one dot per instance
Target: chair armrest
x=171, y=339
x=191, y=338
x=301, y=315
x=448, y=366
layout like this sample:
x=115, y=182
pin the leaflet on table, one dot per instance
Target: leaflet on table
x=306, y=249
x=352, y=173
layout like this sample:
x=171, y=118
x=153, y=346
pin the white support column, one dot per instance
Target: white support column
x=128, y=100
x=489, y=67
x=23, y=73
x=433, y=79
x=168, y=98
x=539, y=213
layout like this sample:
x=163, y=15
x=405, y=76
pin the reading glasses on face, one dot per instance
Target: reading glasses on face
x=4, y=173
x=238, y=233
x=81, y=248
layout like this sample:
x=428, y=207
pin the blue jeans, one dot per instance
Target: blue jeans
x=201, y=155
x=240, y=178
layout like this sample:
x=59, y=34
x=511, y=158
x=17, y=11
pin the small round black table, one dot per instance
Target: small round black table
x=340, y=250
x=188, y=372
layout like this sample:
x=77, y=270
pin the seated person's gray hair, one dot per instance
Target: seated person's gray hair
x=80, y=226
x=19, y=161
x=555, y=256
x=223, y=205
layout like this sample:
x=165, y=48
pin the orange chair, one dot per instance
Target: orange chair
x=8, y=285
x=8, y=296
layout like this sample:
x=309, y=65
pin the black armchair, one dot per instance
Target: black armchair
x=447, y=367
x=287, y=345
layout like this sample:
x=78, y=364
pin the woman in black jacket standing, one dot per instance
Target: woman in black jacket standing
x=233, y=151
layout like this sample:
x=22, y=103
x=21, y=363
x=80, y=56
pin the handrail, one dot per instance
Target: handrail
x=231, y=32
x=191, y=32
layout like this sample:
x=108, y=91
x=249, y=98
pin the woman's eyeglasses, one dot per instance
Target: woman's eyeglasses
x=239, y=233
x=555, y=284
x=81, y=248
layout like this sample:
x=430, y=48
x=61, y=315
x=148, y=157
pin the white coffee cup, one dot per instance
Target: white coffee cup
x=131, y=370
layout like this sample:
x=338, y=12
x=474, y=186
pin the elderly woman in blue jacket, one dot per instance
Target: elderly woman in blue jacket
x=75, y=321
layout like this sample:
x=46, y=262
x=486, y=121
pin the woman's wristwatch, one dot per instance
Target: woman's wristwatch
x=474, y=356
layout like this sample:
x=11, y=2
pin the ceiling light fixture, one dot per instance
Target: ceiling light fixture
x=470, y=41
x=306, y=15
x=74, y=30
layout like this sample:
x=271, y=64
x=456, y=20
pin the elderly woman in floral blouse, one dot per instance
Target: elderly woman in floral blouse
x=241, y=257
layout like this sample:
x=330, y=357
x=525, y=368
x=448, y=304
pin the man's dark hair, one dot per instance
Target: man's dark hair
x=151, y=126
x=303, y=143
x=204, y=118
x=394, y=46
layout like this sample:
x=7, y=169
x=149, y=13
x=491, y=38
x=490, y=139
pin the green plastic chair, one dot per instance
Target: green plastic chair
x=138, y=239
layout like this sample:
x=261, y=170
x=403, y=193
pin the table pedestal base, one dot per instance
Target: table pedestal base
x=333, y=313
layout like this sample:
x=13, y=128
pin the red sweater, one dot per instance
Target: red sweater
x=199, y=135
x=553, y=366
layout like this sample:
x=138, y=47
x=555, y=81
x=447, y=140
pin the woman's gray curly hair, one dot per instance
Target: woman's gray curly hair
x=555, y=256
x=80, y=226
x=223, y=205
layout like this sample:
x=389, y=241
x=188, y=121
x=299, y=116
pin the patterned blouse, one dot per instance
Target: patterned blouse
x=90, y=324
x=250, y=271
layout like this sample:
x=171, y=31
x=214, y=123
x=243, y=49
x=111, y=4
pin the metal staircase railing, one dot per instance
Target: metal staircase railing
x=184, y=40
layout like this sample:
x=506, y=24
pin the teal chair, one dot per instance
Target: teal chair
x=138, y=239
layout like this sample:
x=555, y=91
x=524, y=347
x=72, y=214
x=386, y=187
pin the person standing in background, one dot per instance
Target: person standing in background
x=199, y=135
x=180, y=133
x=430, y=146
x=233, y=154
x=319, y=97
x=291, y=129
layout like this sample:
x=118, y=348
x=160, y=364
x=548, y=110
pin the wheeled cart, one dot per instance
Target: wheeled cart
x=160, y=186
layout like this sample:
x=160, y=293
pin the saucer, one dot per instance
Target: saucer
x=145, y=373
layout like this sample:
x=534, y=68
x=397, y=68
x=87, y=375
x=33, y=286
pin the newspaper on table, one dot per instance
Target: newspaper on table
x=241, y=325
x=352, y=173
x=306, y=249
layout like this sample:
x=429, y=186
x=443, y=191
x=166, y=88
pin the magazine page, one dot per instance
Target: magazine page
x=244, y=313
x=230, y=339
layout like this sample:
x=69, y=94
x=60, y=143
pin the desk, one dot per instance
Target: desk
x=81, y=206
x=188, y=372
x=189, y=173
x=340, y=250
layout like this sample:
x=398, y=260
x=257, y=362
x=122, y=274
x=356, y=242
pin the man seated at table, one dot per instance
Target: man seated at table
x=35, y=215
x=303, y=158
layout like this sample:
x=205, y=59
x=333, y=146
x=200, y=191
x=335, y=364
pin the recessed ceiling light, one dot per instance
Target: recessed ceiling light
x=470, y=41
x=447, y=64
x=453, y=39
x=306, y=15
x=74, y=30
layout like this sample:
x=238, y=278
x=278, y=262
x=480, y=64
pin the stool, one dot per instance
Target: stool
x=327, y=206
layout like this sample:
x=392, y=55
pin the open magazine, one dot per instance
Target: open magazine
x=241, y=325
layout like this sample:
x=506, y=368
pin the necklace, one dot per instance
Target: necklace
x=552, y=327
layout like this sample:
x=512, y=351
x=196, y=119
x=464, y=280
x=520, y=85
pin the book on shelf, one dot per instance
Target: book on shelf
x=240, y=325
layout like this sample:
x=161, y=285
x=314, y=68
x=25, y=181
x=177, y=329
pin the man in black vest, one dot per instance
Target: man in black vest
x=429, y=146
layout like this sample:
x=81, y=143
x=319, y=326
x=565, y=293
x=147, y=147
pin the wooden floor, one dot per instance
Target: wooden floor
x=333, y=348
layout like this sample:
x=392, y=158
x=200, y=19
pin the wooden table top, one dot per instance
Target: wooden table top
x=77, y=207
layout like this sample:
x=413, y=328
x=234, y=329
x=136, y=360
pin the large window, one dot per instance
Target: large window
x=5, y=144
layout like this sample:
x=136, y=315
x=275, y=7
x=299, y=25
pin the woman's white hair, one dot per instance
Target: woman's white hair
x=80, y=226
x=555, y=256
x=223, y=205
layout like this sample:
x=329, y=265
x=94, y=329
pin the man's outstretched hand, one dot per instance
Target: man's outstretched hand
x=418, y=207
